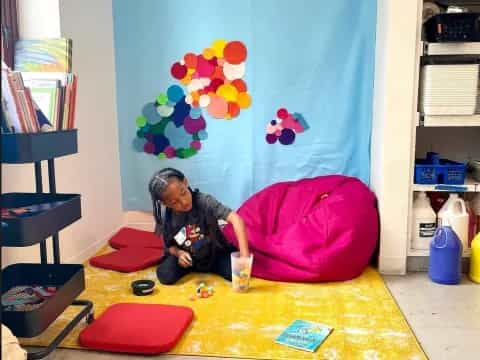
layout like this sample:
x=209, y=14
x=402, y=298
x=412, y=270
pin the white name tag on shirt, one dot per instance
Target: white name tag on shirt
x=181, y=236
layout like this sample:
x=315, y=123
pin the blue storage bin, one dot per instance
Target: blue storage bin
x=433, y=170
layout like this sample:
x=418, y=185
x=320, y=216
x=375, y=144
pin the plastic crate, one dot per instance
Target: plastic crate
x=439, y=171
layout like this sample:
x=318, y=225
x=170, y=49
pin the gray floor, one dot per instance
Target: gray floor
x=446, y=320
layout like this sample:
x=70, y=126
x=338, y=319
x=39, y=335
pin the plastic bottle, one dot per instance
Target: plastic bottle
x=445, y=263
x=424, y=222
x=475, y=260
x=472, y=222
x=458, y=218
x=475, y=204
x=444, y=208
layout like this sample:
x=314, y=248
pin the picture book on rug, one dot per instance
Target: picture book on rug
x=304, y=335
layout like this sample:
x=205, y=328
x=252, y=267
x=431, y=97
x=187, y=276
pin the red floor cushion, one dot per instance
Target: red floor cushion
x=137, y=328
x=128, y=259
x=129, y=237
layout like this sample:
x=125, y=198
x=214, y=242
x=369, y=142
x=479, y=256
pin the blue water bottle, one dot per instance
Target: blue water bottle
x=445, y=265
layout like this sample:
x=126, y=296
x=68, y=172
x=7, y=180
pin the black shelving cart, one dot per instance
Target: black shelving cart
x=63, y=210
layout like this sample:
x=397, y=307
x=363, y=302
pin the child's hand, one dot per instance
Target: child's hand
x=184, y=259
x=244, y=253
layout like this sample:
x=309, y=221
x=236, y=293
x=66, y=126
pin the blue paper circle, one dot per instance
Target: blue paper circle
x=202, y=135
x=195, y=112
x=138, y=144
x=182, y=109
x=150, y=113
x=175, y=93
x=161, y=142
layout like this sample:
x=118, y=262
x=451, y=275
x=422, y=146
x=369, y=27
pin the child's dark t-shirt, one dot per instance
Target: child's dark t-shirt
x=191, y=231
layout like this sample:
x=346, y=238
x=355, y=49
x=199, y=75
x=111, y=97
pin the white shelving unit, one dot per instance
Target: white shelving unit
x=454, y=136
x=470, y=185
x=450, y=121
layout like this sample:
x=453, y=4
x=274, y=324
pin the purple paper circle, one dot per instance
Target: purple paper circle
x=193, y=126
x=287, y=137
x=271, y=138
x=149, y=147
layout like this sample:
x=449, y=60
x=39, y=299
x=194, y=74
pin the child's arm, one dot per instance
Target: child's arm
x=240, y=231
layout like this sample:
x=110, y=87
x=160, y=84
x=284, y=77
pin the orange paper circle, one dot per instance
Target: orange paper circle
x=244, y=100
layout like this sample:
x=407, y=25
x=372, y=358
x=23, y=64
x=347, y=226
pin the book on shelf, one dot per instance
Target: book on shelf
x=304, y=335
x=37, y=101
x=45, y=55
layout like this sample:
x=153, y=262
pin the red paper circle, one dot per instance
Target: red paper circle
x=178, y=71
x=235, y=52
x=282, y=113
x=240, y=85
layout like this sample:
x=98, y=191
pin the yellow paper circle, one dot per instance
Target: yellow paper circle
x=208, y=53
x=186, y=80
x=218, y=46
x=228, y=92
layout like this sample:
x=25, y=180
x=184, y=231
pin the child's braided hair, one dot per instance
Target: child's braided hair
x=157, y=185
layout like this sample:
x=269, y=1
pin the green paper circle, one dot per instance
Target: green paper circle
x=162, y=156
x=162, y=99
x=159, y=128
x=140, y=133
x=141, y=121
x=183, y=153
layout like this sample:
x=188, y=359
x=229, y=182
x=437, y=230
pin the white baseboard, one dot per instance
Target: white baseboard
x=87, y=253
x=392, y=265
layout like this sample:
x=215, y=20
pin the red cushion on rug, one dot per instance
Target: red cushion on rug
x=128, y=259
x=137, y=328
x=128, y=237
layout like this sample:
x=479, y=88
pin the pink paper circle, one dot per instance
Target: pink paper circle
x=196, y=144
x=204, y=67
x=169, y=152
x=218, y=107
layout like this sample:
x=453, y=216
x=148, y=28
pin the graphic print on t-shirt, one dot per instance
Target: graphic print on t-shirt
x=189, y=235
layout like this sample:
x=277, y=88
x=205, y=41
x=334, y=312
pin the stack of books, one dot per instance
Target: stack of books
x=40, y=94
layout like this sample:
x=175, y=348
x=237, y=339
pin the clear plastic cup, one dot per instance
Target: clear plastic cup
x=241, y=271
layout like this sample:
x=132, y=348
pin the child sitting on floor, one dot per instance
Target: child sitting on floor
x=188, y=221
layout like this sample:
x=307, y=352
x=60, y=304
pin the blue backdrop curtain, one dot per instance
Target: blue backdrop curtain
x=312, y=57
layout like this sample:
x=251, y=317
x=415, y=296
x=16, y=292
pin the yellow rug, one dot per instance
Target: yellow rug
x=367, y=322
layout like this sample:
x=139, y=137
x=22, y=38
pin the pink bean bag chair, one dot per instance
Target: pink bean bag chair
x=320, y=229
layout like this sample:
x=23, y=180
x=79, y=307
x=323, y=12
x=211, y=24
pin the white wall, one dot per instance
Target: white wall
x=393, y=126
x=38, y=18
x=95, y=171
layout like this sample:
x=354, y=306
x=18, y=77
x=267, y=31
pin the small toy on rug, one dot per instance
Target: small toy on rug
x=203, y=291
